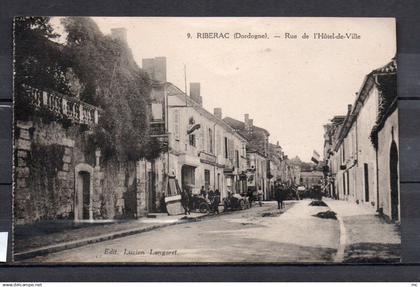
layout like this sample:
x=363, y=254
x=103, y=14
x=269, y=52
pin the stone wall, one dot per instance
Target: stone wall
x=48, y=159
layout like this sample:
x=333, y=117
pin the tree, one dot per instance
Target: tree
x=39, y=62
x=113, y=81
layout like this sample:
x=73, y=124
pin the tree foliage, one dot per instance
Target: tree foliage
x=39, y=62
x=106, y=74
x=113, y=81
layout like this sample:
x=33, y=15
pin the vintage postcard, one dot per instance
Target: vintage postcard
x=205, y=140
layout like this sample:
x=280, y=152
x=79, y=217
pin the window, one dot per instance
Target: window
x=344, y=152
x=210, y=146
x=226, y=148
x=218, y=143
x=157, y=111
x=192, y=139
x=176, y=125
x=237, y=158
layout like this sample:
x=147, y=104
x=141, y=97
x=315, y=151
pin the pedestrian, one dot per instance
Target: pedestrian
x=211, y=194
x=185, y=202
x=280, y=196
x=260, y=195
x=216, y=201
x=203, y=192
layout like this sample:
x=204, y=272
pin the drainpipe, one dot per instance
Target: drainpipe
x=214, y=153
x=167, y=132
x=376, y=155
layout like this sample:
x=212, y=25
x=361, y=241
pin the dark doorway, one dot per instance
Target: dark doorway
x=366, y=169
x=187, y=177
x=344, y=183
x=130, y=202
x=85, y=177
x=393, y=173
x=206, y=179
x=348, y=182
x=151, y=188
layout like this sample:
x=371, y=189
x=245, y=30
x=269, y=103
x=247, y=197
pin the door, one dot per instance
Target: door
x=207, y=179
x=366, y=171
x=151, y=192
x=393, y=173
x=84, y=195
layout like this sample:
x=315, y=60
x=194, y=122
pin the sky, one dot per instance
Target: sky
x=290, y=87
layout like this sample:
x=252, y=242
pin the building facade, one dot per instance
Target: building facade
x=361, y=150
x=203, y=150
x=257, y=150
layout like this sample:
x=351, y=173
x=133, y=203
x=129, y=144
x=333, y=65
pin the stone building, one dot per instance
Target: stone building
x=311, y=178
x=204, y=151
x=331, y=166
x=385, y=137
x=362, y=153
x=257, y=153
x=59, y=173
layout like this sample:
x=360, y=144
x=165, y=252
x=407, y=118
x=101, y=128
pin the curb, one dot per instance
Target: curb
x=339, y=256
x=78, y=243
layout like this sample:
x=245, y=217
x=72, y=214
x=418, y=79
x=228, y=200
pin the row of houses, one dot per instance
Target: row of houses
x=207, y=150
x=61, y=173
x=361, y=147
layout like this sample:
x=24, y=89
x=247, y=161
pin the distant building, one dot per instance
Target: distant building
x=257, y=153
x=311, y=178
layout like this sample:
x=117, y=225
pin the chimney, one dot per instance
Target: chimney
x=218, y=113
x=349, y=108
x=248, y=122
x=155, y=68
x=278, y=143
x=119, y=34
x=195, y=93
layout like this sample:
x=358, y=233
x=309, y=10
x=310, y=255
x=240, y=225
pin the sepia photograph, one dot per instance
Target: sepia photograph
x=193, y=140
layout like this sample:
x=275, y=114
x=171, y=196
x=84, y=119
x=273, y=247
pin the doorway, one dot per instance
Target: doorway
x=151, y=188
x=366, y=170
x=83, y=204
x=393, y=174
x=187, y=177
x=207, y=179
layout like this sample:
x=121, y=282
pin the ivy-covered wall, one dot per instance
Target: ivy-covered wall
x=47, y=160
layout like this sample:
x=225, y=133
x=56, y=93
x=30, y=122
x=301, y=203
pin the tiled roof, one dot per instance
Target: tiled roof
x=391, y=67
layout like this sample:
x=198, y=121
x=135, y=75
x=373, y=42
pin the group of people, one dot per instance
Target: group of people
x=187, y=200
x=213, y=197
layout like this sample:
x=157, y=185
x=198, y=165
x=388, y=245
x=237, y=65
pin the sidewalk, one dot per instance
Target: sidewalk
x=365, y=237
x=31, y=242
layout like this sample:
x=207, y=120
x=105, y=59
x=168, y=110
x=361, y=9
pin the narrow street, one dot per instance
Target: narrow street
x=259, y=234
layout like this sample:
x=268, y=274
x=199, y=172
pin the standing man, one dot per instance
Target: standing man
x=260, y=195
x=277, y=195
x=203, y=192
x=216, y=201
x=185, y=201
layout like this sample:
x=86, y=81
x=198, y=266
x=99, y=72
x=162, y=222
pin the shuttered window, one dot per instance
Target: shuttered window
x=176, y=125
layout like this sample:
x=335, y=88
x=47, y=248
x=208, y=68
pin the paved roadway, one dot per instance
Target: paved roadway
x=259, y=234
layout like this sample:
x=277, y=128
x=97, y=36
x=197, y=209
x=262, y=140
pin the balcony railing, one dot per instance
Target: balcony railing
x=68, y=107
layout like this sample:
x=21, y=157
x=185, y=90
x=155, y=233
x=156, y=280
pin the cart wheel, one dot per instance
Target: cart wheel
x=225, y=207
x=203, y=207
x=242, y=205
